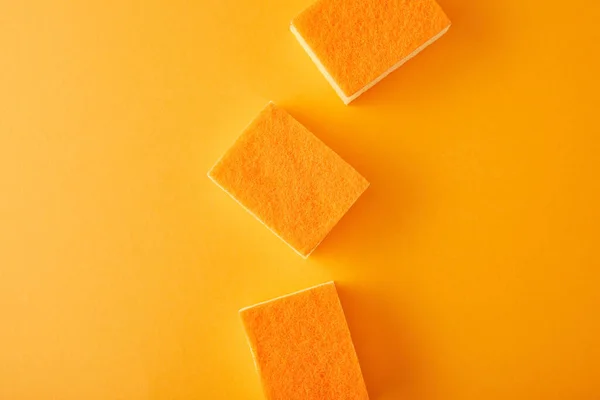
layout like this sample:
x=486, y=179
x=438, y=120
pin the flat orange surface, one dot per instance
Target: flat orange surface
x=303, y=348
x=286, y=177
x=468, y=270
x=359, y=40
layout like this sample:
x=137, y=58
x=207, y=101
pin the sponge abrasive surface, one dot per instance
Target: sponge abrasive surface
x=302, y=347
x=287, y=178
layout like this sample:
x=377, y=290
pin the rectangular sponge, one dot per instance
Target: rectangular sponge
x=302, y=347
x=357, y=43
x=288, y=179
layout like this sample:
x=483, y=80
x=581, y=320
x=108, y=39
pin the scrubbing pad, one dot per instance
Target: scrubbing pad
x=357, y=43
x=302, y=347
x=288, y=179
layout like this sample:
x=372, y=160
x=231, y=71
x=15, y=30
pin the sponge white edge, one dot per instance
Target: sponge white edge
x=286, y=295
x=348, y=99
x=319, y=65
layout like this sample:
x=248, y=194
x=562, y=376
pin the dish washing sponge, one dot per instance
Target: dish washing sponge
x=302, y=347
x=288, y=179
x=357, y=43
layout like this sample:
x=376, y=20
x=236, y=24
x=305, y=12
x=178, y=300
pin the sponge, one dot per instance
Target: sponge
x=302, y=347
x=357, y=43
x=288, y=179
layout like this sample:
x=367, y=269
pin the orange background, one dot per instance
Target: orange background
x=469, y=269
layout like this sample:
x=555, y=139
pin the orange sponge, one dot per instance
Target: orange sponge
x=357, y=43
x=288, y=179
x=302, y=347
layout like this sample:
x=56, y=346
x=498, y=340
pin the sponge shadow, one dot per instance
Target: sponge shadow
x=478, y=31
x=389, y=215
x=386, y=341
x=382, y=220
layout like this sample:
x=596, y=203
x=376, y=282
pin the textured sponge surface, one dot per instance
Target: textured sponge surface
x=357, y=41
x=288, y=179
x=302, y=347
